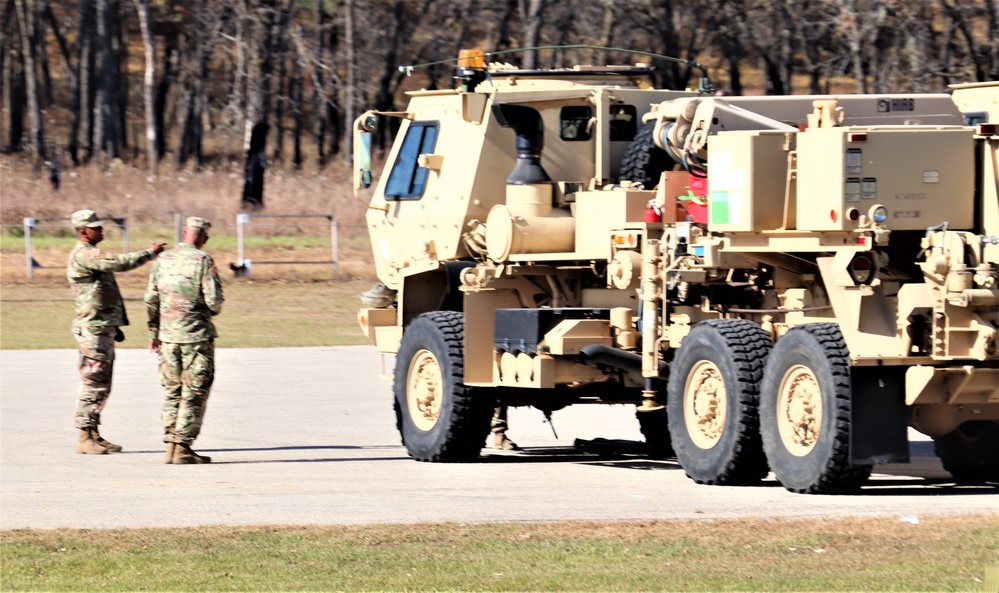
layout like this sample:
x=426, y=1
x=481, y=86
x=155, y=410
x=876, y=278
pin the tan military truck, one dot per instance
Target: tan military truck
x=776, y=283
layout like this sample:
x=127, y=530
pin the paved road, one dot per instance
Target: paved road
x=307, y=436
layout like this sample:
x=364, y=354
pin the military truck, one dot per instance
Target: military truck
x=780, y=284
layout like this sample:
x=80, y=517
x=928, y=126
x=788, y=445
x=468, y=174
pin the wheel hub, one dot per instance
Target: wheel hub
x=705, y=404
x=799, y=410
x=423, y=390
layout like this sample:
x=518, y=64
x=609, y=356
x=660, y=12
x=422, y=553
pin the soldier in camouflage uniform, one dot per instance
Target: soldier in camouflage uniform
x=100, y=312
x=184, y=294
x=498, y=426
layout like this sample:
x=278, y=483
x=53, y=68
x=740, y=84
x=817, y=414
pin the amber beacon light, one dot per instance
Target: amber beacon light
x=471, y=58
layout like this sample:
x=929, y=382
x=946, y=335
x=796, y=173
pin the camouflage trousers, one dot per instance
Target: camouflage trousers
x=186, y=372
x=498, y=422
x=96, y=367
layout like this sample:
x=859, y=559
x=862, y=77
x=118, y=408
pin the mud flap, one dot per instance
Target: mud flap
x=879, y=418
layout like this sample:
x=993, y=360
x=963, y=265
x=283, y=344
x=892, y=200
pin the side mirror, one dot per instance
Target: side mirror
x=363, y=127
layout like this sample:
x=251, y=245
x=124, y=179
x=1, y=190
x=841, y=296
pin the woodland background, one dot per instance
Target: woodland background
x=237, y=86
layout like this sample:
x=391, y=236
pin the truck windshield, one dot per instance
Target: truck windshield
x=408, y=179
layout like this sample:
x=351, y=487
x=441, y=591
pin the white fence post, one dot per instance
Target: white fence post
x=28, y=223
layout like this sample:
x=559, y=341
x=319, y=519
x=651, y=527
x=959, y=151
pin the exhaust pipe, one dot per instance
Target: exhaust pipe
x=617, y=358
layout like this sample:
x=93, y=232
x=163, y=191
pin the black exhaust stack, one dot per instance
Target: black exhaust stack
x=526, y=123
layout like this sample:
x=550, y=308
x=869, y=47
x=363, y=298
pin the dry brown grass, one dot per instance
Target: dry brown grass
x=123, y=190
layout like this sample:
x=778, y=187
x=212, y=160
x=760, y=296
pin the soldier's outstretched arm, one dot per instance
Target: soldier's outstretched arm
x=108, y=262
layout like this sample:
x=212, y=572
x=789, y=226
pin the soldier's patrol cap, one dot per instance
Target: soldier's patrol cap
x=86, y=218
x=197, y=223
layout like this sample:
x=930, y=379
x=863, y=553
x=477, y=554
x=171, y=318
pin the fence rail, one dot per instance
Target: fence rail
x=31, y=223
x=244, y=265
x=245, y=223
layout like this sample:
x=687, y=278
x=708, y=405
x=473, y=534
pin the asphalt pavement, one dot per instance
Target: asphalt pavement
x=307, y=436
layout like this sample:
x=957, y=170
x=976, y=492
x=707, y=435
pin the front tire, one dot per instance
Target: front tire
x=713, y=394
x=805, y=412
x=438, y=416
x=971, y=452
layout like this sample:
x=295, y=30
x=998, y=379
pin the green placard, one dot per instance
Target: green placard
x=718, y=207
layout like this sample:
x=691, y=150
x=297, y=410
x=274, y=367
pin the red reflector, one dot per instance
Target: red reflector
x=856, y=137
x=988, y=129
x=833, y=215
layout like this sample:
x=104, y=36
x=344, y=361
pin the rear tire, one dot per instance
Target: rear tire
x=971, y=452
x=438, y=416
x=713, y=397
x=805, y=412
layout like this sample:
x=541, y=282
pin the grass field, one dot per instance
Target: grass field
x=278, y=305
x=937, y=554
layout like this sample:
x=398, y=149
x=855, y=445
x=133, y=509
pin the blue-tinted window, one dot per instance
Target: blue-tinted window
x=407, y=179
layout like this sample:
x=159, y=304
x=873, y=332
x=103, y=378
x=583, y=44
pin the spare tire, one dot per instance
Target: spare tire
x=643, y=161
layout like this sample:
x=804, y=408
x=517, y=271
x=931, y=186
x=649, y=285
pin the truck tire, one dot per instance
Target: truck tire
x=713, y=394
x=971, y=452
x=643, y=162
x=805, y=412
x=655, y=428
x=438, y=416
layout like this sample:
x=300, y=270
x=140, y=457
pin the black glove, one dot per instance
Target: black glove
x=119, y=336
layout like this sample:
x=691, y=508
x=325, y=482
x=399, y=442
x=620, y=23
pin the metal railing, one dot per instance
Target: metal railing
x=30, y=223
x=244, y=265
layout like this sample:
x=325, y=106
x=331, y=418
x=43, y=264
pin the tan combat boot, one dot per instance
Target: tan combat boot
x=170, y=449
x=184, y=455
x=111, y=447
x=87, y=444
x=501, y=442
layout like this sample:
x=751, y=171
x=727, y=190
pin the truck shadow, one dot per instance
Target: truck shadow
x=923, y=476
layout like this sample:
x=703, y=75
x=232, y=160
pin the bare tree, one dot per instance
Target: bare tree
x=12, y=79
x=532, y=15
x=349, y=92
x=149, y=83
x=108, y=134
x=27, y=17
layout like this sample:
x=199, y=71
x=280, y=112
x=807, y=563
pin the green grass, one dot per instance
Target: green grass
x=255, y=314
x=939, y=554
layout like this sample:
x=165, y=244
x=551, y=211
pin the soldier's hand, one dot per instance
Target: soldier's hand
x=157, y=247
x=155, y=345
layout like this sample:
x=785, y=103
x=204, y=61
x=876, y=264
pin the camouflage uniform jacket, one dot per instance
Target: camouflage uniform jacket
x=184, y=293
x=91, y=274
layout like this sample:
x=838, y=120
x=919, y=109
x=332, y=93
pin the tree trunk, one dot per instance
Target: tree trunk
x=296, y=102
x=26, y=16
x=348, y=95
x=318, y=87
x=106, y=134
x=149, y=85
x=279, y=53
x=82, y=100
x=13, y=81
x=385, y=97
x=502, y=41
x=256, y=162
x=193, y=113
x=532, y=32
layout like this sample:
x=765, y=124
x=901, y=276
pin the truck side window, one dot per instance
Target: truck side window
x=623, y=122
x=975, y=118
x=574, y=123
x=407, y=179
